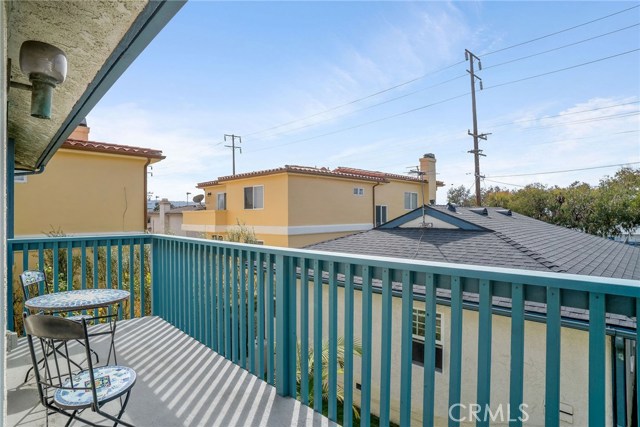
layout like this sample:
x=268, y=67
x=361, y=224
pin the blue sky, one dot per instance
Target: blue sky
x=295, y=80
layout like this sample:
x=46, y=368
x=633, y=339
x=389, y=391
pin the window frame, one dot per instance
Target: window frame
x=253, y=197
x=358, y=191
x=379, y=221
x=418, y=315
x=224, y=201
x=412, y=195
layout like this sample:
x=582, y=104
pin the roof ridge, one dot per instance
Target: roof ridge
x=530, y=253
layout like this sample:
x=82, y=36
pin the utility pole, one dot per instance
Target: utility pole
x=188, y=194
x=476, y=136
x=233, y=148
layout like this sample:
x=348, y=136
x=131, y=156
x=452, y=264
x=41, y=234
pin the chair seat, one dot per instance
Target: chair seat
x=111, y=382
x=79, y=317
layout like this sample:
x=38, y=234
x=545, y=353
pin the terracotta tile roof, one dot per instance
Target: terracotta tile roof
x=307, y=170
x=381, y=174
x=103, y=147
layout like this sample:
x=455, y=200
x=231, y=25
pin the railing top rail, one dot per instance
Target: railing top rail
x=46, y=239
x=605, y=285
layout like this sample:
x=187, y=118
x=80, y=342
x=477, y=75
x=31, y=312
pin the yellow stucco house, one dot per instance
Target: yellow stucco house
x=296, y=206
x=87, y=187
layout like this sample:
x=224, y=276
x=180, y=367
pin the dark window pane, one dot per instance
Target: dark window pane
x=248, y=198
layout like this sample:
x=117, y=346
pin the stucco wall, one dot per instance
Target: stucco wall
x=574, y=363
x=392, y=195
x=83, y=192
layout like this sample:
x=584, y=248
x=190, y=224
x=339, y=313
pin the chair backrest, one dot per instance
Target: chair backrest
x=51, y=334
x=31, y=281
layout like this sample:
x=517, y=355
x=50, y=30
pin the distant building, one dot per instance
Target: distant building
x=494, y=237
x=167, y=219
x=296, y=206
x=87, y=187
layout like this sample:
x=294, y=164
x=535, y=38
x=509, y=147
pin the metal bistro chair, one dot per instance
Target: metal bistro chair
x=31, y=281
x=67, y=392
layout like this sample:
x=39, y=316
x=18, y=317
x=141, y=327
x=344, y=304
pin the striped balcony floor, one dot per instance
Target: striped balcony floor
x=180, y=383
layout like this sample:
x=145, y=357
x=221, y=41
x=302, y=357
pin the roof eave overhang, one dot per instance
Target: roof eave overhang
x=146, y=26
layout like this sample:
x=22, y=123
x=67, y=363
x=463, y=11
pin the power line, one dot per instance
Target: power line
x=562, y=114
x=365, y=123
x=560, y=47
x=362, y=109
x=504, y=183
x=448, y=67
x=563, y=69
x=566, y=170
x=358, y=99
x=443, y=101
x=558, y=32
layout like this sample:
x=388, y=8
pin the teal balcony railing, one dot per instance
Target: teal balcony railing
x=529, y=340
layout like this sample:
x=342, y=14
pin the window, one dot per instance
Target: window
x=358, y=191
x=221, y=204
x=381, y=214
x=410, y=200
x=254, y=197
x=418, y=331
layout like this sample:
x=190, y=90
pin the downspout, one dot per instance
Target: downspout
x=144, y=197
x=373, y=191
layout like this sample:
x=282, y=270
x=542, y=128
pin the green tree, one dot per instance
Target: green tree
x=459, y=196
x=617, y=206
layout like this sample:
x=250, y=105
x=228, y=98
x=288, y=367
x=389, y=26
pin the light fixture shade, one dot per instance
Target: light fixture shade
x=42, y=59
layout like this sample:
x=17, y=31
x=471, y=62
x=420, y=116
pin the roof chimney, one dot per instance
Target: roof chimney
x=428, y=166
x=81, y=132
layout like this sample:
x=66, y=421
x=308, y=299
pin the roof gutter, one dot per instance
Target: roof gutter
x=145, y=28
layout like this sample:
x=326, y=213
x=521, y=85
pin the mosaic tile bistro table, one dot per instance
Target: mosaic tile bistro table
x=82, y=299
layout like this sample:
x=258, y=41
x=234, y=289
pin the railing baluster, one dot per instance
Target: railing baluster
x=208, y=289
x=41, y=264
x=365, y=377
x=333, y=342
x=455, y=360
x=120, y=266
x=83, y=265
x=251, y=311
x=9, y=288
x=234, y=308
x=304, y=331
x=220, y=299
x=243, y=309
x=189, y=289
x=385, y=348
x=597, y=341
x=552, y=383
x=620, y=381
x=348, y=345
x=143, y=311
x=227, y=303
x=69, y=265
x=284, y=357
x=317, y=336
x=484, y=351
x=261, y=322
x=270, y=322
x=516, y=372
x=429, y=365
x=96, y=262
x=132, y=289
x=406, y=354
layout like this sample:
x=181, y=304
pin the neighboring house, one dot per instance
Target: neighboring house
x=296, y=206
x=167, y=219
x=87, y=187
x=500, y=238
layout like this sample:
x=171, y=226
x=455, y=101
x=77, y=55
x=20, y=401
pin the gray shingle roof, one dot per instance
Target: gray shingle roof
x=515, y=241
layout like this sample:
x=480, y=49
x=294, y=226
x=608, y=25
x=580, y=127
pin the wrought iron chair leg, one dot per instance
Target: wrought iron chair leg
x=117, y=419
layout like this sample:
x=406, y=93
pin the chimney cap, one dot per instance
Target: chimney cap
x=429, y=156
x=83, y=122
